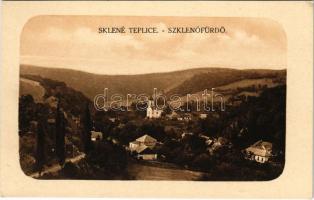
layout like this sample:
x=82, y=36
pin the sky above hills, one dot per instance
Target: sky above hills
x=73, y=42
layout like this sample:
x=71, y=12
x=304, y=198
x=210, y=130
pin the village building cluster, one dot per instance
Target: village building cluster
x=144, y=147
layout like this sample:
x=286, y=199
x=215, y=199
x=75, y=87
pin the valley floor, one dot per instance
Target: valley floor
x=161, y=171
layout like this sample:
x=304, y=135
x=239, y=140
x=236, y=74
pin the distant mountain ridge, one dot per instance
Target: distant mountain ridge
x=179, y=82
x=221, y=77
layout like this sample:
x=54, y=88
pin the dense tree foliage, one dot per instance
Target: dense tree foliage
x=60, y=135
x=26, y=112
x=108, y=156
x=40, y=146
x=87, y=126
x=260, y=117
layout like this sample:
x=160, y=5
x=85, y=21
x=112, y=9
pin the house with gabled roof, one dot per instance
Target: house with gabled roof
x=260, y=151
x=96, y=136
x=147, y=140
x=143, y=147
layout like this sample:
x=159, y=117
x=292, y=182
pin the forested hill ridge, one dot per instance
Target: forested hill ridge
x=71, y=100
x=218, y=78
x=179, y=82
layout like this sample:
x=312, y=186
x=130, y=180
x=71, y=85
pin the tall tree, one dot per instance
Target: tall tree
x=40, y=146
x=60, y=134
x=87, y=125
x=26, y=112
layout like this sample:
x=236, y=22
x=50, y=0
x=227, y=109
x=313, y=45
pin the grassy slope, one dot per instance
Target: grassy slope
x=33, y=88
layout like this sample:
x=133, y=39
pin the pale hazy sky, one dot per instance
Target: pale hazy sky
x=74, y=42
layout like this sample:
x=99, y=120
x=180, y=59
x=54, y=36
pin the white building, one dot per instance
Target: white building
x=144, y=147
x=260, y=151
x=203, y=116
x=145, y=140
x=185, y=134
x=96, y=136
x=112, y=119
x=152, y=110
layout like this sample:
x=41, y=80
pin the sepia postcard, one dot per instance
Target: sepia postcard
x=183, y=101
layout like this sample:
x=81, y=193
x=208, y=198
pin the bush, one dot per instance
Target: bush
x=202, y=162
x=69, y=170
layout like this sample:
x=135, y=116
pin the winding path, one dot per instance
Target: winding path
x=57, y=167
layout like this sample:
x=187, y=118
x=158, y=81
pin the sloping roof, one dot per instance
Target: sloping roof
x=260, y=148
x=257, y=151
x=95, y=134
x=146, y=139
x=135, y=142
x=263, y=144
